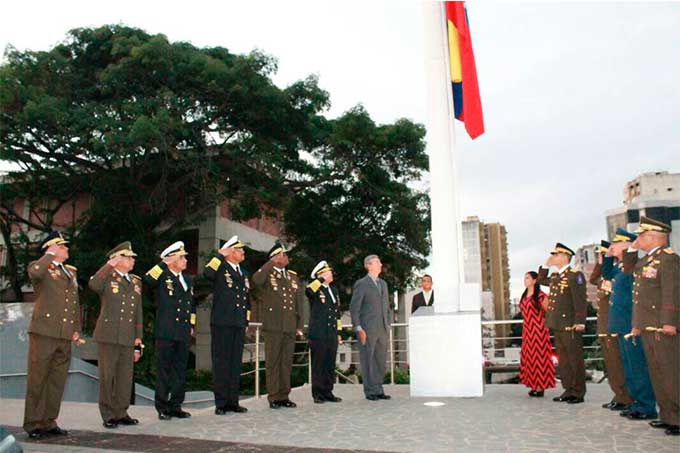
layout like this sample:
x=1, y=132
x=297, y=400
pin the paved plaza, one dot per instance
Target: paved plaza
x=504, y=420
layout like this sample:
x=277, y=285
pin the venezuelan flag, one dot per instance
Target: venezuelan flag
x=466, y=101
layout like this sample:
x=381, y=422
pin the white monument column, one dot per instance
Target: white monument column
x=445, y=343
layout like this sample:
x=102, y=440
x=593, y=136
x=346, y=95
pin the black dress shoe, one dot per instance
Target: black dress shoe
x=372, y=397
x=561, y=398
x=532, y=393
x=625, y=412
x=634, y=415
x=287, y=403
x=238, y=409
x=384, y=397
x=110, y=424
x=36, y=434
x=220, y=411
x=57, y=431
x=333, y=399
x=274, y=405
x=617, y=406
x=164, y=416
x=659, y=424
x=574, y=400
x=673, y=431
x=180, y=414
x=127, y=420
x=539, y=394
x=319, y=400
x=608, y=405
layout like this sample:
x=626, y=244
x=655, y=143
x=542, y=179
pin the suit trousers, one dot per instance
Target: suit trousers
x=171, y=374
x=663, y=358
x=115, y=378
x=373, y=356
x=637, y=375
x=572, y=365
x=227, y=350
x=324, y=352
x=48, y=362
x=614, y=366
x=279, y=348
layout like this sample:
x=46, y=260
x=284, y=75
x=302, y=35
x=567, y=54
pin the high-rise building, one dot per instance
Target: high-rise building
x=655, y=195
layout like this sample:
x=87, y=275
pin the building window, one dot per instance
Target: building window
x=343, y=356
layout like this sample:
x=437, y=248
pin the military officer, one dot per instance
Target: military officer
x=175, y=318
x=280, y=297
x=608, y=342
x=54, y=324
x=323, y=334
x=228, y=321
x=620, y=318
x=118, y=330
x=656, y=316
x=566, y=316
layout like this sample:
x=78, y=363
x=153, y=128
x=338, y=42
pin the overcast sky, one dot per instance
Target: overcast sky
x=578, y=97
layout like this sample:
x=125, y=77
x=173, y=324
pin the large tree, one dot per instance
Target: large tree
x=159, y=132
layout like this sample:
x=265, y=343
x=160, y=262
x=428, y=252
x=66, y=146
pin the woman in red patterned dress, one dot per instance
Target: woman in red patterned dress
x=537, y=370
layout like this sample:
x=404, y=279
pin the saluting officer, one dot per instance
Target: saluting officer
x=228, y=321
x=119, y=329
x=54, y=324
x=323, y=334
x=280, y=297
x=609, y=342
x=656, y=316
x=566, y=316
x=175, y=318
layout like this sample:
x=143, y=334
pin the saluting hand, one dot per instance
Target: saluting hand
x=113, y=262
x=52, y=249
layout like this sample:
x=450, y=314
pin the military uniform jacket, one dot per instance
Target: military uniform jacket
x=324, y=314
x=604, y=289
x=656, y=291
x=280, y=300
x=56, y=312
x=120, y=316
x=567, y=302
x=231, y=294
x=175, y=306
x=621, y=299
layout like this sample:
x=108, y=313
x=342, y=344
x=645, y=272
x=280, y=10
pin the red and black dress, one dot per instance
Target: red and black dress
x=537, y=370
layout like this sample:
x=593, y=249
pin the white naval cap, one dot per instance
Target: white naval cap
x=320, y=268
x=233, y=242
x=175, y=249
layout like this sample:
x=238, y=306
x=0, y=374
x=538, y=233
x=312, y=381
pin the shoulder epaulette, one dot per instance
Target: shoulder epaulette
x=71, y=268
x=314, y=285
x=214, y=263
x=155, y=272
x=292, y=272
x=669, y=250
x=575, y=271
x=135, y=276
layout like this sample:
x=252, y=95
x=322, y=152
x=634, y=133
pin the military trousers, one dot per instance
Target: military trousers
x=279, y=348
x=48, y=362
x=614, y=366
x=115, y=379
x=569, y=346
x=373, y=357
x=663, y=359
x=171, y=374
x=324, y=352
x=227, y=350
x=637, y=375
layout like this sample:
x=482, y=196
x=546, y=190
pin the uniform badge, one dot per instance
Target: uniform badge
x=138, y=289
x=580, y=279
x=606, y=286
x=168, y=285
x=322, y=298
x=649, y=272
x=247, y=283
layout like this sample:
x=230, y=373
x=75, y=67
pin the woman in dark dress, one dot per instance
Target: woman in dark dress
x=537, y=370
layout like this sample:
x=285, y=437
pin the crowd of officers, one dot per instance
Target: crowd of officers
x=637, y=323
x=55, y=324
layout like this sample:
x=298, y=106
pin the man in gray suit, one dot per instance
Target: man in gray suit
x=370, y=311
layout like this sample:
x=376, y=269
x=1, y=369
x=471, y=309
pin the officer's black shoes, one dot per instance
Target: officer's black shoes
x=57, y=431
x=127, y=420
x=625, y=412
x=164, y=416
x=659, y=424
x=238, y=409
x=574, y=400
x=634, y=415
x=220, y=411
x=561, y=398
x=673, y=431
x=319, y=400
x=110, y=424
x=617, y=406
x=333, y=399
x=536, y=393
x=608, y=405
x=180, y=414
x=372, y=397
x=274, y=405
x=36, y=434
x=382, y=396
x=287, y=403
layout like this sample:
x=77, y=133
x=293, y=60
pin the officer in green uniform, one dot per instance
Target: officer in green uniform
x=228, y=321
x=54, y=324
x=656, y=316
x=175, y=317
x=566, y=316
x=119, y=329
x=608, y=341
x=323, y=334
x=280, y=297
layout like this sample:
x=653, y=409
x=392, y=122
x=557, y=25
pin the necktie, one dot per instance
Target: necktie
x=238, y=271
x=63, y=269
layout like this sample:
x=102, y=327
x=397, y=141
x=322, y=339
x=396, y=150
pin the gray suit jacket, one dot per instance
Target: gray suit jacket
x=370, y=307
